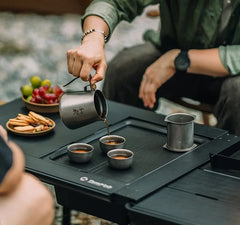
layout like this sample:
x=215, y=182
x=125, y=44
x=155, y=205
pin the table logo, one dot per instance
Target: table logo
x=96, y=183
x=83, y=179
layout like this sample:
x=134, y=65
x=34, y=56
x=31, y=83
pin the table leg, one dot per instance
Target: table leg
x=66, y=218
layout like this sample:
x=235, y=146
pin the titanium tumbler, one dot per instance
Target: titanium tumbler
x=180, y=131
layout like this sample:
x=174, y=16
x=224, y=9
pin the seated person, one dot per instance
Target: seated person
x=24, y=200
x=195, y=55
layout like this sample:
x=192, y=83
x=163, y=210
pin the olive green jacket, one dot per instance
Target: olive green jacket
x=185, y=24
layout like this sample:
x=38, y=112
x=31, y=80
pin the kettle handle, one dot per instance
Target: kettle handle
x=92, y=87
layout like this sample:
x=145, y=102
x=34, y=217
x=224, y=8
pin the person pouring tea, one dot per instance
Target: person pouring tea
x=195, y=54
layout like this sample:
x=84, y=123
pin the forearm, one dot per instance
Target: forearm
x=95, y=22
x=114, y=11
x=206, y=62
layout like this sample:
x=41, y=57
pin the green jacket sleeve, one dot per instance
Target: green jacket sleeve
x=113, y=11
x=230, y=57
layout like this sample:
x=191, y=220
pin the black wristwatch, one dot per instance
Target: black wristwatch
x=182, y=61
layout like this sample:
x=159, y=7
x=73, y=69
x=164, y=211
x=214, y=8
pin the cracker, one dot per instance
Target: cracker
x=39, y=128
x=39, y=118
x=26, y=118
x=24, y=128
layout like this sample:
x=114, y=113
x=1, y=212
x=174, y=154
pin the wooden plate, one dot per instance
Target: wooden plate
x=29, y=134
x=41, y=108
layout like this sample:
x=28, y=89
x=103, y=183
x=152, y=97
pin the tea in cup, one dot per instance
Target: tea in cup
x=80, y=152
x=110, y=142
x=120, y=158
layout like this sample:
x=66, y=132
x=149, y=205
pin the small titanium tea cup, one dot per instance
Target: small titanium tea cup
x=120, y=158
x=110, y=142
x=80, y=152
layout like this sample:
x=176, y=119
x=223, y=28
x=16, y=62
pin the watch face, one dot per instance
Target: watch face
x=182, y=61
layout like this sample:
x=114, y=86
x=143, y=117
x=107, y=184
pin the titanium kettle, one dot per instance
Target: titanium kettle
x=82, y=107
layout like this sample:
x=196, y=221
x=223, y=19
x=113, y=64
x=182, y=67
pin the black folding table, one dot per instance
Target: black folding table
x=94, y=187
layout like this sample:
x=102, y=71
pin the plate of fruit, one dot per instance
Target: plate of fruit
x=40, y=96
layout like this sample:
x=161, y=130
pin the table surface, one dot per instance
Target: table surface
x=96, y=182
